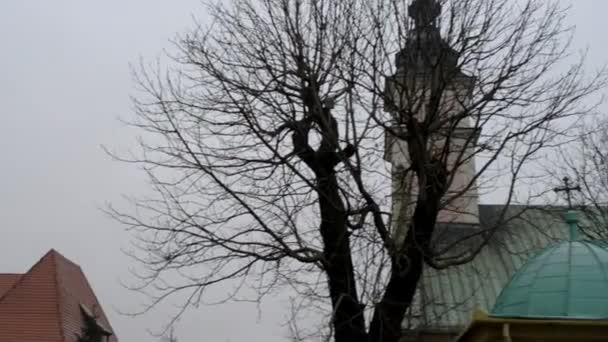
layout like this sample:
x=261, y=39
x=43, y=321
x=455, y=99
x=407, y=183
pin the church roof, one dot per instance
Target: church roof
x=46, y=303
x=446, y=298
x=568, y=280
x=7, y=280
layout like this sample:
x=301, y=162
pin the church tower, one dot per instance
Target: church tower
x=430, y=87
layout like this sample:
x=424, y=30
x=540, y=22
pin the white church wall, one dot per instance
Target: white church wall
x=461, y=200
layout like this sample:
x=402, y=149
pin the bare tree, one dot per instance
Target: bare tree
x=264, y=142
x=169, y=336
x=584, y=163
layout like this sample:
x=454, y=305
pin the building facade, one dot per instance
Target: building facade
x=447, y=298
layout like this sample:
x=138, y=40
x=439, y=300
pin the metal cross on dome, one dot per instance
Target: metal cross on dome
x=568, y=189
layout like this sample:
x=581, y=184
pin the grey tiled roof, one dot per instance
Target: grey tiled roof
x=447, y=298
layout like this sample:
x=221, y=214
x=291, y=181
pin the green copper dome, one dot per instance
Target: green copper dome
x=565, y=281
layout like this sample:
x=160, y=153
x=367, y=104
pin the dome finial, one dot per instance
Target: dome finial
x=424, y=12
x=571, y=218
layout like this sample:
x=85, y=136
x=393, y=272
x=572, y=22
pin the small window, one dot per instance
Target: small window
x=93, y=330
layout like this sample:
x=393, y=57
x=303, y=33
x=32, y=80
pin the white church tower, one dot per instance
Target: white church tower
x=428, y=79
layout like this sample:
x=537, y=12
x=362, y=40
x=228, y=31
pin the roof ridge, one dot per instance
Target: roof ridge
x=98, y=303
x=63, y=258
x=9, y=279
x=23, y=276
x=54, y=254
x=62, y=285
x=65, y=293
x=51, y=256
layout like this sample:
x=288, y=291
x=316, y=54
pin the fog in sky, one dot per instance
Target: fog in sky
x=64, y=82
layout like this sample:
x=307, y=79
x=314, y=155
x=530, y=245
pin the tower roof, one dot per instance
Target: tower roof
x=424, y=12
x=425, y=50
x=566, y=281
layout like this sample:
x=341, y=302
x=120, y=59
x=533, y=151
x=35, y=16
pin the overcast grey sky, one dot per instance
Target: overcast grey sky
x=64, y=81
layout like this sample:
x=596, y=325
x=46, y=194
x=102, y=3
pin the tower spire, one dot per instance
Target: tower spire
x=424, y=48
x=424, y=12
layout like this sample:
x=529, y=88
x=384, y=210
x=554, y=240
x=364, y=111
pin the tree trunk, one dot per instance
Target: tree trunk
x=348, y=320
x=406, y=271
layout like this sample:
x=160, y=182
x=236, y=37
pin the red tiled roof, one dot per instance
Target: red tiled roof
x=7, y=280
x=43, y=305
